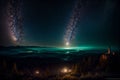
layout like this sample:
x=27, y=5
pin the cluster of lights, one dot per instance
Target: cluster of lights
x=63, y=70
x=66, y=70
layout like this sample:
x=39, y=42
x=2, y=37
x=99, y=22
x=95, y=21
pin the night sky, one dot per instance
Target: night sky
x=45, y=23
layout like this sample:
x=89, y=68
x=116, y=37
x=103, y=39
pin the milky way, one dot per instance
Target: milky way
x=71, y=27
x=15, y=20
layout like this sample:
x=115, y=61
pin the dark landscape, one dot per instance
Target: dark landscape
x=59, y=66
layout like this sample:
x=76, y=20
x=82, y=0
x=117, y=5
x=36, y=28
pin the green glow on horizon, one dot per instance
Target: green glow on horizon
x=85, y=48
x=68, y=48
x=79, y=48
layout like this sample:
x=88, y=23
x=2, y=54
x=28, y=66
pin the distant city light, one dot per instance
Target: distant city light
x=66, y=70
x=37, y=72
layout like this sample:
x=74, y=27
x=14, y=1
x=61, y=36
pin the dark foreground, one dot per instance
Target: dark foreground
x=92, y=66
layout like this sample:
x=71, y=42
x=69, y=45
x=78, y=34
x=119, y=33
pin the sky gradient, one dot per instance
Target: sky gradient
x=45, y=23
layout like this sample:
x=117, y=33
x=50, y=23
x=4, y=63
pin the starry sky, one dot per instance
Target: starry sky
x=45, y=22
